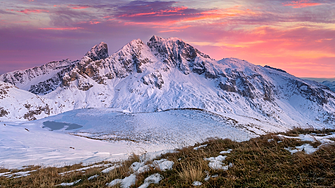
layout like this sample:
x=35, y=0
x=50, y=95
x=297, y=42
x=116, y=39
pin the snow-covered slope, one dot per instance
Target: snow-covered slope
x=39, y=80
x=17, y=104
x=329, y=84
x=169, y=73
x=116, y=135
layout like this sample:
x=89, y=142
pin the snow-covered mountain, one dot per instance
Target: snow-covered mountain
x=18, y=104
x=39, y=80
x=167, y=74
x=329, y=84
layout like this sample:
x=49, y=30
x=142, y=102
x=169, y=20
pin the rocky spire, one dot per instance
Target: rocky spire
x=99, y=51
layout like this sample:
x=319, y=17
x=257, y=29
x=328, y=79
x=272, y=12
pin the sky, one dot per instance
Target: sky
x=297, y=36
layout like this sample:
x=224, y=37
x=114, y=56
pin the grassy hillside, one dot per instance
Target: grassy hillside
x=265, y=161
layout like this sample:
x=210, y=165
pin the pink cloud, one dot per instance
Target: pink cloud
x=301, y=4
x=78, y=7
x=61, y=29
x=28, y=11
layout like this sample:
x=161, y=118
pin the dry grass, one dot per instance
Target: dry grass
x=259, y=162
x=190, y=173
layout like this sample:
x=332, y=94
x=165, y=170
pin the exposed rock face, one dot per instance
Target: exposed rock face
x=176, y=53
x=99, y=51
x=155, y=79
x=267, y=66
x=39, y=80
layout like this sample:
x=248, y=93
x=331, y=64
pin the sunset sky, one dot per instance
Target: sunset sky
x=297, y=36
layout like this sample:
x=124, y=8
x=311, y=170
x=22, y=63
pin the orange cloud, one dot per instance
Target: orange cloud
x=307, y=55
x=301, y=4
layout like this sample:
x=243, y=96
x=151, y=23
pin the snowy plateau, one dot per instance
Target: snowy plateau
x=147, y=98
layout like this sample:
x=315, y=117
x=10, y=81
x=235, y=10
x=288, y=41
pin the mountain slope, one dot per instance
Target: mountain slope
x=39, y=80
x=329, y=84
x=17, y=104
x=169, y=73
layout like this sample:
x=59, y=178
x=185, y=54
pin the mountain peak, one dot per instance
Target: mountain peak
x=158, y=39
x=99, y=51
x=155, y=38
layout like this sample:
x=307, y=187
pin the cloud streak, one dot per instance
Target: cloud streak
x=29, y=11
x=301, y=4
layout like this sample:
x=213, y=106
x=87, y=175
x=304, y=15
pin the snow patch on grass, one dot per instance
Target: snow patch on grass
x=225, y=152
x=216, y=163
x=154, y=178
x=69, y=184
x=307, y=148
x=163, y=164
x=196, y=183
x=107, y=170
x=125, y=183
x=199, y=147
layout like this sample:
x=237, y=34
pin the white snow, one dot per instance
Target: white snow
x=163, y=164
x=114, y=182
x=152, y=133
x=225, y=152
x=84, y=168
x=17, y=174
x=154, y=178
x=128, y=181
x=207, y=176
x=196, y=183
x=125, y=182
x=216, y=163
x=199, y=147
x=136, y=165
x=307, y=148
x=107, y=170
x=312, y=138
x=92, y=177
x=69, y=184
